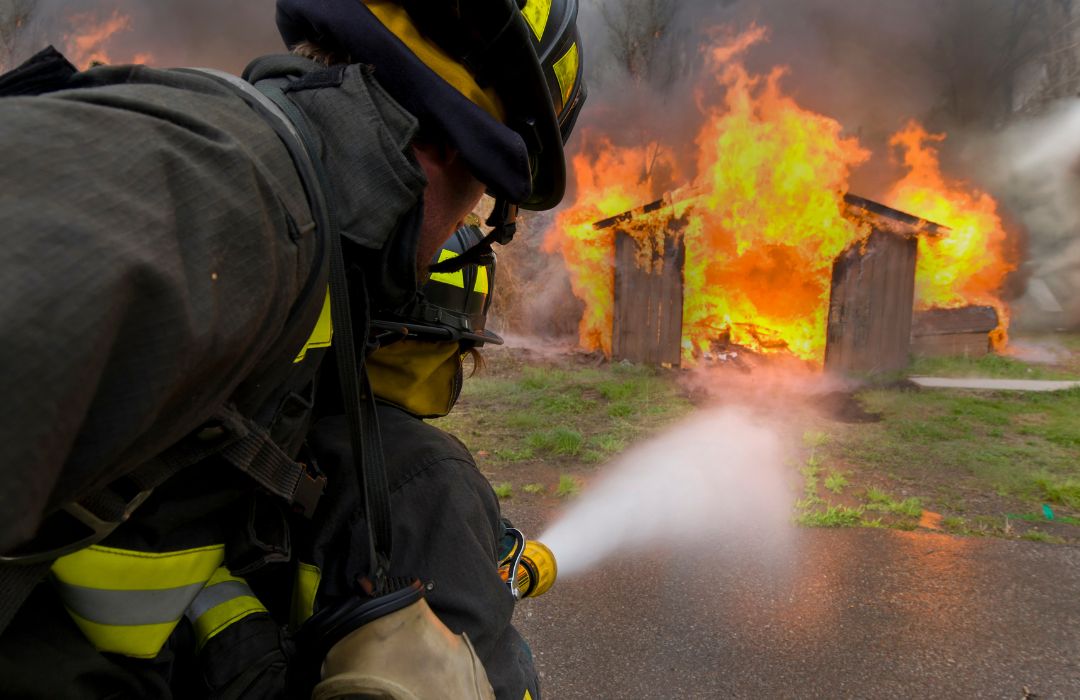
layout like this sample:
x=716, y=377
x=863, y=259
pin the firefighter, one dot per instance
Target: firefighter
x=447, y=522
x=171, y=235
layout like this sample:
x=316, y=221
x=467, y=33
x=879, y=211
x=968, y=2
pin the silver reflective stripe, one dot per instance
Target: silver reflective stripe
x=213, y=596
x=127, y=607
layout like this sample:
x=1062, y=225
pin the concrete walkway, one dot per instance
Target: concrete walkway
x=993, y=384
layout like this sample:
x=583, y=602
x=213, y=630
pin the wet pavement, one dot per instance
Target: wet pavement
x=828, y=614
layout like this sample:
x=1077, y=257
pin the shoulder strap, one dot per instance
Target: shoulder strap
x=356, y=392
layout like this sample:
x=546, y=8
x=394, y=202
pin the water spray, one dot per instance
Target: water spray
x=716, y=480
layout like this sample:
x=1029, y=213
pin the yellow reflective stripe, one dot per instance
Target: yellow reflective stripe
x=135, y=598
x=323, y=332
x=536, y=14
x=138, y=641
x=481, y=285
x=218, y=618
x=224, y=600
x=456, y=279
x=121, y=569
x=305, y=587
x=528, y=695
x=566, y=69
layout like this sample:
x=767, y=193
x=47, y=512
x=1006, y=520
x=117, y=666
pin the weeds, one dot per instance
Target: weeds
x=568, y=486
x=833, y=516
x=533, y=489
x=559, y=441
x=504, y=490
x=836, y=482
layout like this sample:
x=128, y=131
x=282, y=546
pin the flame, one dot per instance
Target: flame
x=766, y=219
x=610, y=180
x=88, y=45
x=760, y=238
x=969, y=264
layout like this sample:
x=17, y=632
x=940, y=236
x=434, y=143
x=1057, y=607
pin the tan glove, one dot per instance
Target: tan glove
x=406, y=655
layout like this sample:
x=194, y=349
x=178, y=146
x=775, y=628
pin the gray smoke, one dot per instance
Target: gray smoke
x=223, y=34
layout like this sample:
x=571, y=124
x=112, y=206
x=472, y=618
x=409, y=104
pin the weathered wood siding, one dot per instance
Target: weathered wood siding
x=870, y=310
x=649, y=302
x=961, y=332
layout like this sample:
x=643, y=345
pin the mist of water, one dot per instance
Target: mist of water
x=716, y=478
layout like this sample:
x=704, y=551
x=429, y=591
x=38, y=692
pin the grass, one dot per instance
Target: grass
x=878, y=500
x=533, y=489
x=504, y=490
x=989, y=366
x=836, y=482
x=1015, y=444
x=832, y=516
x=568, y=486
x=557, y=441
x=567, y=416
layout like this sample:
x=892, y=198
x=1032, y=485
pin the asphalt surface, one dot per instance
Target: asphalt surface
x=831, y=614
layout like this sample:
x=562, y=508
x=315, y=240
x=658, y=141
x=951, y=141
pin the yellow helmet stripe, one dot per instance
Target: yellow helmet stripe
x=566, y=69
x=456, y=279
x=481, y=286
x=536, y=14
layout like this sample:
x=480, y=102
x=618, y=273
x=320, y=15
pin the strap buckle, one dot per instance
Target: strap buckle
x=309, y=489
x=56, y=537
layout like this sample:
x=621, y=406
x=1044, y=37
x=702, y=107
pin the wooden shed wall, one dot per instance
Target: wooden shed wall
x=648, y=302
x=870, y=309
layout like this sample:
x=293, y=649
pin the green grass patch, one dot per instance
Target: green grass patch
x=504, y=490
x=1015, y=444
x=833, y=516
x=1059, y=490
x=558, y=441
x=533, y=489
x=511, y=454
x=568, y=486
x=836, y=482
x=880, y=501
x=989, y=366
x=575, y=414
x=1040, y=536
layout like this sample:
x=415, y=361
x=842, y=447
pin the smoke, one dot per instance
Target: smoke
x=1035, y=164
x=207, y=33
x=715, y=481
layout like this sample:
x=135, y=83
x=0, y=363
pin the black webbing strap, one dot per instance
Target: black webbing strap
x=356, y=393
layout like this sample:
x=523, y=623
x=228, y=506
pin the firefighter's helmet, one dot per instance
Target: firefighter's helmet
x=451, y=305
x=526, y=51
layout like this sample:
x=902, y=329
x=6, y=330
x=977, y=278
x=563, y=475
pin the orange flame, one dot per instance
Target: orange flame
x=766, y=220
x=969, y=264
x=760, y=240
x=88, y=45
x=610, y=181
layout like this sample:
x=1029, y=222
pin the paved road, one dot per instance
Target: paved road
x=849, y=614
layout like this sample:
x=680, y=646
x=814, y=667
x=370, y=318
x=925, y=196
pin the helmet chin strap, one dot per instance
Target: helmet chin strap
x=503, y=221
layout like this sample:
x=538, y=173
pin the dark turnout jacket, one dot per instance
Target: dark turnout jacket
x=155, y=240
x=446, y=529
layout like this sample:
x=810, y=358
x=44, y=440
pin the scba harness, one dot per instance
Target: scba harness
x=258, y=432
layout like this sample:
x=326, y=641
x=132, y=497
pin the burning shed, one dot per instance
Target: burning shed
x=870, y=302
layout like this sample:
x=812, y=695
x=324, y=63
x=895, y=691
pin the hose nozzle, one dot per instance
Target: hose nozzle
x=533, y=565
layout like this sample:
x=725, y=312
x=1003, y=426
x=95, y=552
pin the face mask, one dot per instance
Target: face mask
x=419, y=377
